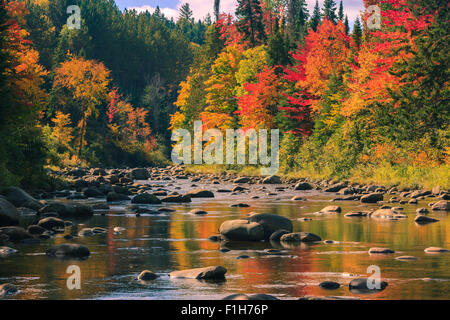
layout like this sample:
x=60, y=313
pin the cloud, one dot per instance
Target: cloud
x=201, y=8
x=168, y=12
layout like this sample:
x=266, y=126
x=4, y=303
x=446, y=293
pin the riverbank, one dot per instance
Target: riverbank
x=405, y=177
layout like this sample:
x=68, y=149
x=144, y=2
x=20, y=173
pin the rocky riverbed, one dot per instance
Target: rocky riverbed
x=162, y=233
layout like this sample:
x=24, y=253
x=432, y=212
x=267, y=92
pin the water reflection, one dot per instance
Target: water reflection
x=173, y=241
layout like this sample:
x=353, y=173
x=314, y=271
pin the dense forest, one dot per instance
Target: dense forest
x=367, y=104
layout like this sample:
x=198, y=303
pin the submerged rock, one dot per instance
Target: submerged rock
x=329, y=285
x=200, y=193
x=381, y=251
x=208, y=273
x=69, y=251
x=176, y=199
x=363, y=285
x=146, y=198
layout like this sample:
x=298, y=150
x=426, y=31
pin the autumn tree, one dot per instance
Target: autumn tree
x=87, y=83
x=62, y=129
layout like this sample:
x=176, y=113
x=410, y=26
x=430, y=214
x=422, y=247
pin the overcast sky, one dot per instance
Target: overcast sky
x=202, y=7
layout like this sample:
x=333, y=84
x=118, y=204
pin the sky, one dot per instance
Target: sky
x=202, y=7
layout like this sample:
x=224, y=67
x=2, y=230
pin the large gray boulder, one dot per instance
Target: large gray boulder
x=9, y=216
x=20, y=199
x=208, y=273
x=242, y=230
x=303, y=186
x=271, y=223
x=145, y=198
x=68, y=211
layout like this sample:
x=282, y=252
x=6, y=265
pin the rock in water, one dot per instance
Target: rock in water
x=198, y=212
x=303, y=186
x=16, y=234
x=435, y=250
x=362, y=285
x=147, y=275
x=329, y=285
x=140, y=174
x=8, y=289
x=68, y=211
x=200, y=193
x=242, y=230
x=114, y=196
x=442, y=205
x=271, y=223
x=6, y=252
x=424, y=220
x=272, y=180
x=77, y=251
x=300, y=237
x=276, y=236
x=51, y=223
x=381, y=251
x=21, y=199
x=208, y=273
x=372, y=198
x=257, y=297
x=176, y=199
x=331, y=209
x=9, y=215
x=146, y=198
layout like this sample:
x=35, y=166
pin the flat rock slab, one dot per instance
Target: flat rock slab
x=208, y=273
x=435, y=250
x=406, y=258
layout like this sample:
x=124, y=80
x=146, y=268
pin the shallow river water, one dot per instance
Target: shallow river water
x=178, y=240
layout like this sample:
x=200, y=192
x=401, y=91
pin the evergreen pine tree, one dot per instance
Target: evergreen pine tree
x=329, y=10
x=186, y=13
x=357, y=33
x=277, y=49
x=341, y=12
x=347, y=26
x=316, y=18
x=249, y=15
x=297, y=16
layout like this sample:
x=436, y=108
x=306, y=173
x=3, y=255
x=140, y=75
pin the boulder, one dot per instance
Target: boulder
x=9, y=215
x=336, y=187
x=372, y=198
x=422, y=211
x=146, y=198
x=139, y=174
x=300, y=237
x=71, y=250
x=114, y=196
x=68, y=211
x=381, y=251
x=177, y=199
x=355, y=214
x=242, y=230
x=19, y=198
x=16, y=234
x=272, y=180
x=93, y=193
x=329, y=285
x=200, y=193
x=421, y=219
x=303, y=186
x=276, y=236
x=51, y=223
x=435, y=250
x=271, y=223
x=361, y=285
x=241, y=180
x=331, y=209
x=36, y=230
x=147, y=275
x=208, y=273
x=442, y=205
